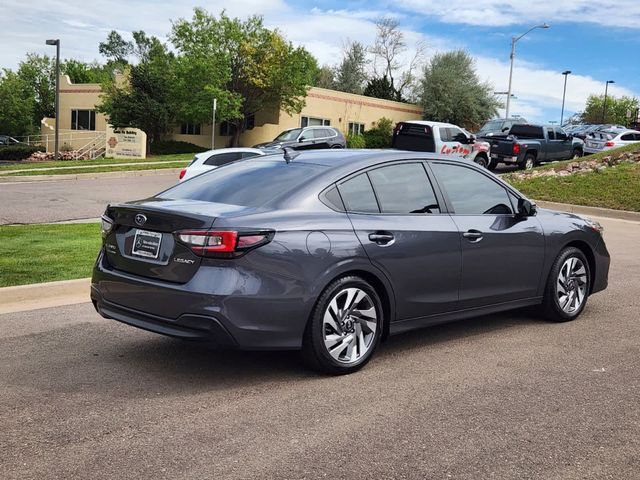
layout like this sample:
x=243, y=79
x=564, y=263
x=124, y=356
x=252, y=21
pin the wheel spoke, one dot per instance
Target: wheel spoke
x=337, y=351
x=331, y=341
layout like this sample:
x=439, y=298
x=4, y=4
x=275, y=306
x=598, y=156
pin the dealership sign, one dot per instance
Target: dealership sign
x=126, y=143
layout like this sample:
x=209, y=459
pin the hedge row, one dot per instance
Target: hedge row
x=18, y=152
x=172, y=147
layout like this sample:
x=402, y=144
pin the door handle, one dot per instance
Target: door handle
x=381, y=238
x=473, y=235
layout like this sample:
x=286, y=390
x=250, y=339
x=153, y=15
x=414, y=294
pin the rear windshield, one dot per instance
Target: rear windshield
x=250, y=183
x=526, y=131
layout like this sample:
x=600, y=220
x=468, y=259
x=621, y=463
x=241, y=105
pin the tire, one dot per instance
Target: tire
x=493, y=164
x=482, y=161
x=572, y=266
x=577, y=153
x=528, y=163
x=337, y=146
x=337, y=344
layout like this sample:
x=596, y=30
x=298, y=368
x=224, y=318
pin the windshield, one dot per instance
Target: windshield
x=251, y=183
x=492, y=126
x=288, y=135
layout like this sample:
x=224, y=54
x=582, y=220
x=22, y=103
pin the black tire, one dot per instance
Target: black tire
x=551, y=307
x=493, y=164
x=577, y=153
x=314, y=352
x=337, y=146
x=528, y=162
x=482, y=161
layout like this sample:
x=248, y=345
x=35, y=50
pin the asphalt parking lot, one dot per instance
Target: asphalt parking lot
x=506, y=396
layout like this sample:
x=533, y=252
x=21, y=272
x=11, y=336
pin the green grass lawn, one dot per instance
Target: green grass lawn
x=97, y=169
x=595, y=156
x=44, y=253
x=617, y=187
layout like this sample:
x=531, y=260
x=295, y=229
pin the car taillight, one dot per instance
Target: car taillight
x=223, y=243
x=610, y=144
x=398, y=127
x=106, y=225
x=183, y=172
x=516, y=148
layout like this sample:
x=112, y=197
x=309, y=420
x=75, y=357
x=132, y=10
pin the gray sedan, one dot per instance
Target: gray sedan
x=330, y=252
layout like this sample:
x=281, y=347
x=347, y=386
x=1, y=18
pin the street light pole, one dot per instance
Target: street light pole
x=514, y=40
x=213, y=124
x=604, y=107
x=566, y=73
x=57, y=100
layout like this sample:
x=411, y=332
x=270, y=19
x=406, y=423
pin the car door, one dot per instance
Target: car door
x=397, y=218
x=502, y=253
x=321, y=137
x=565, y=144
x=551, y=150
x=451, y=144
x=306, y=140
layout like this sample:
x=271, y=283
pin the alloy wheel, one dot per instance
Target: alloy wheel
x=571, y=287
x=349, y=325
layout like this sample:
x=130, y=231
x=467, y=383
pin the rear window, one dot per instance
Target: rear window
x=248, y=184
x=527, y=131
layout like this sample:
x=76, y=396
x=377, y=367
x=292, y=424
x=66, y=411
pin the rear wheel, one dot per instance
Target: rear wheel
x=345, y=327
x=567, y=287
x=528, y=163
x=482, y=161
x=577, y=153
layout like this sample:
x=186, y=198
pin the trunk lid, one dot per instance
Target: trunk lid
x=142, y=240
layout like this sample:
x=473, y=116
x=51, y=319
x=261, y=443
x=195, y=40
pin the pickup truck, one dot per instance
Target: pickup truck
x=438, y=137
x=528, y=145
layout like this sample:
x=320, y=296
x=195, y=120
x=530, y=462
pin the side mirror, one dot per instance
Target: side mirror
x=526, y=208
x=301, y=139
x=505, y=129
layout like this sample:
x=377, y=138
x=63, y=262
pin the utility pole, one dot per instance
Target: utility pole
x=213, y=124
x=57, y=107
x=566, y=73
x=604, y=107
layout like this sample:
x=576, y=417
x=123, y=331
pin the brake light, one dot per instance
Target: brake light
x=610, y=144
x=183, y=172
x=223, y=243
x=398, y=127
x=516, y=149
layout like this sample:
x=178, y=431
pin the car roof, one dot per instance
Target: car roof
x=430, y=124
x=231, y=150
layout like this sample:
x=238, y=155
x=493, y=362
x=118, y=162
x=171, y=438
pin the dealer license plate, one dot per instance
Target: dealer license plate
x=146, y=244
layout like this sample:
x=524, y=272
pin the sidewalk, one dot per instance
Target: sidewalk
x=80, y=176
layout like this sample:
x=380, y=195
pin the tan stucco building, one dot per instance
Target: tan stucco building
x=348, y=112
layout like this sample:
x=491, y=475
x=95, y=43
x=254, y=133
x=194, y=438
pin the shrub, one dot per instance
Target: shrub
x=171, y=147
x=380, y=135
x=356, y=141
x=18, y=152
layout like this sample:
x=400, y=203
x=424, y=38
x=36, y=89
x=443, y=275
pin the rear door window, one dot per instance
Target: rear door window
x=527, y=131
x=220, y=159
x=357, y=194
x=629, y=137
x=403, y=189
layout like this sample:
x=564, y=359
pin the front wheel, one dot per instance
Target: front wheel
x=345, y=327
x=528, y=163
x=577, y=153
x=567, y=287
x=482, y=161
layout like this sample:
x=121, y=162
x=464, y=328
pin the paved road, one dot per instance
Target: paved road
x=54, y=201
x=501, y=397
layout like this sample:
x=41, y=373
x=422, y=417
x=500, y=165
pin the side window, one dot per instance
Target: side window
x=560, y=134
x=471, y=192
x=220, y=159
x=404, y=188
x=358, y=195
x=445, y=134
x=455, y=134
x=637, y=135
x=628, y=137
x=249, y=154
x=551, y=133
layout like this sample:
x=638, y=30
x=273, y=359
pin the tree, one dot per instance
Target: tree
x=380, y=87
x=244, y=65
x=16, y=114
x=388, y=50
x=620, y=110
x=324, y=77
x=116, y=48
x=451, y=91
x=146, y=100
x=351, y=74
x=81, y=72
x=39, y=76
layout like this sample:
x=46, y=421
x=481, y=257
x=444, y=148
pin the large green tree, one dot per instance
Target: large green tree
x=244, y=65
x=38, y=74
x=17, y=105
x=620, y=110
x=451, y=91
x=351, y=74
x=146, y=99
x=380, y=87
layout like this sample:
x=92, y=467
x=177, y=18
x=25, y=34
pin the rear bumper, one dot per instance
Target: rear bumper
x=505, y=159
x=224, y=307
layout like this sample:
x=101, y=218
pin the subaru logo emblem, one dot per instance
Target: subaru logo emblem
x=140, y=219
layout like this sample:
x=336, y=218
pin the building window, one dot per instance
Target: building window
x=83, y=119
x=227, y=129
x=314, y=122
x=190, y=129
x=356, y=128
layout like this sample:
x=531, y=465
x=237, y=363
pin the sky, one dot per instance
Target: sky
x=597, y=41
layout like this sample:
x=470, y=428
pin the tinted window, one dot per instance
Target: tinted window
x=527, y=131
x=404, y=189
x=560, y=134
x=445, y=134
x=358, y=195
x=249, y=154
x=220, y=159
x=471, y=192
x=551, y=134
x=456, y=135
x=251, y=184
x=628, y=137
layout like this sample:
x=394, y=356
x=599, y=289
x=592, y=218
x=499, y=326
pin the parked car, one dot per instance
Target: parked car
x=7, y=140
x=306, y=138
x=332, y=251
x=608, y=139
x=443, y=138
x=205, y=161
x=499, y=126
x=528, y=145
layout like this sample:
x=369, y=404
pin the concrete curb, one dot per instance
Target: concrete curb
x=44, y=295
x=85, y=176
x=593, y=211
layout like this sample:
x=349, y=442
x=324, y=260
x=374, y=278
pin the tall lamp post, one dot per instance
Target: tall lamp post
x=514, y=40
x=604, y=107
x=566, y=73
x=57, y=107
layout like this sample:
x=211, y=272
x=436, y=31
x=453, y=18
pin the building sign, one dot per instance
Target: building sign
x=126, y=143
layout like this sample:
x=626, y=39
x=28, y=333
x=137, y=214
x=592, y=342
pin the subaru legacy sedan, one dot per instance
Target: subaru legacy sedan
x=330, y=252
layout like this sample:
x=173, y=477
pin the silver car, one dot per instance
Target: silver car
x=611, y=138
